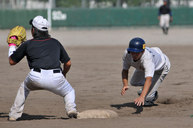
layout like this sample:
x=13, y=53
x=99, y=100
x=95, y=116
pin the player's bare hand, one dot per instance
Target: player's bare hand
x=124, y=89
x=139, y=101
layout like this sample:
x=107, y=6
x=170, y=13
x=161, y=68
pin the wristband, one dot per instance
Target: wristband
x=12, y=44
x=11, y=50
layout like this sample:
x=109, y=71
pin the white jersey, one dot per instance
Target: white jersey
x=152, y=60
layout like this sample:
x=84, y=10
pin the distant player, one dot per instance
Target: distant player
x=151, y=67
x=165, y=16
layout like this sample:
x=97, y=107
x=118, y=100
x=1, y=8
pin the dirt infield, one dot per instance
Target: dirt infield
x=96, y=76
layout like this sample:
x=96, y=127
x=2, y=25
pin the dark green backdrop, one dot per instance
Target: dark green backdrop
x=95, y=17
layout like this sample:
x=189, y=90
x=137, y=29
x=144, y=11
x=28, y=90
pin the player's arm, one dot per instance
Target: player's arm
x=171, y=17
x=158, y=17
x=11, y=62
x=124, y=81
x=12, y=48
x=159, y=13
x=146, y=87
x=141, y=99
x=16, y=37
x=66, y=68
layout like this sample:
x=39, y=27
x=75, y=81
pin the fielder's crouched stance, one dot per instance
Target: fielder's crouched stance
x=151, y=67
x=44, y=55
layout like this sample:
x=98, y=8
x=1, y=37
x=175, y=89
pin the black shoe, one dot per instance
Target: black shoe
x=151, y=103
x=148, y=103
x=72, y=114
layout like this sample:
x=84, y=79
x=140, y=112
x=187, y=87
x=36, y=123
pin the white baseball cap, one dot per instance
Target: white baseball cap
x=40, y=23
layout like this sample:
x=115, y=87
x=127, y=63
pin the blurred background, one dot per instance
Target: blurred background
x=40, y=4
x=92, y=13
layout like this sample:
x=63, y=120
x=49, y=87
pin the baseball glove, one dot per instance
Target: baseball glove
x=19, y=34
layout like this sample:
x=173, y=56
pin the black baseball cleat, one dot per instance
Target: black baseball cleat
x=148, y=103
x=151, y=103
x=72, y=114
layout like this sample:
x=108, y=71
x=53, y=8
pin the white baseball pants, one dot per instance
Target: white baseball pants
x=47, y=80
x=165, y=20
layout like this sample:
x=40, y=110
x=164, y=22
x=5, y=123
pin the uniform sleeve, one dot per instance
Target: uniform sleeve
x=19, y=53
x=149, y=67
x=159, y=11
x=170, y=12
x=125, y=59
x=64, y=58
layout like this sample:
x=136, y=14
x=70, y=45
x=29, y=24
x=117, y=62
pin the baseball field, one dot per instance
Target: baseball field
x=96, y=55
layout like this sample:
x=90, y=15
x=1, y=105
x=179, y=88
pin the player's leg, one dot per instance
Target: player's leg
x=56, y=83
x=156, y=81
x=137, y=78
x=167, y=23
x=162, y=23
x=31, y=83
x=60, y=86
x=70, y=105
x=18, y=106
x=158, y=78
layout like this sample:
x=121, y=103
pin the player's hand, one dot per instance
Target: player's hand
x=139, y=101
x=124, y=89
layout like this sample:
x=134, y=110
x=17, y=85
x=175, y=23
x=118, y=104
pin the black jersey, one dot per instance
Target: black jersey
x=42, y=53
x=164, y=9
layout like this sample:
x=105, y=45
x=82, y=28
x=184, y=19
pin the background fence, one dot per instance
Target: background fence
x=107, y=17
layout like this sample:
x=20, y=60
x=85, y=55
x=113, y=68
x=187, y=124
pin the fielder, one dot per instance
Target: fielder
x=44, y=55
x=151, y=67
x=165, y=17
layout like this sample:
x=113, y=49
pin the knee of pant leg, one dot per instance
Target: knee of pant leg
x=149, y=98
x=26, y=90
x=136, y=83
x=131, y=83
x=24, y=86
x=72, y=91
x=152, y=97
x=65, y=90
x=70, y=94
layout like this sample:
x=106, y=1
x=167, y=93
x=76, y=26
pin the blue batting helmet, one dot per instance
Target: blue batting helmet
x=136, y=45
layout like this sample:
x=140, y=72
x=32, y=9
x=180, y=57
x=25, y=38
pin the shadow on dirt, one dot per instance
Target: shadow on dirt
x=131, y=105
x=3, y=115
x=26, y=117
